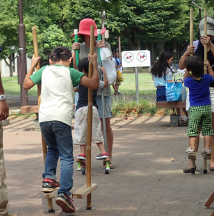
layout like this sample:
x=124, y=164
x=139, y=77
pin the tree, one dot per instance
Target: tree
x=9, y=32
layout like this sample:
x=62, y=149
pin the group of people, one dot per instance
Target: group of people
x=200, y=98
x=56, y=108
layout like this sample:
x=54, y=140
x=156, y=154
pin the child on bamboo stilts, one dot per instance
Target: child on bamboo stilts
x=81, y=116
x=55, y=117
x=200, y=104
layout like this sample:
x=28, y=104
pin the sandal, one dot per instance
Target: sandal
x=111, y=165
x=206, y=151
x=190, y=151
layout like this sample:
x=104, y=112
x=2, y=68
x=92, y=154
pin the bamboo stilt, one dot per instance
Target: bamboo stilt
x=89, y=134
x=88, y=188
x=44, y=146
x=191, y=27
x=205, y=45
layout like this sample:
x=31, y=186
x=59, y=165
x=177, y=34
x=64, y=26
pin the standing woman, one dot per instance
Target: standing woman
x=84, y=49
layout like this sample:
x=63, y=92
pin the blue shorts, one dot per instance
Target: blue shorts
x=107, y=100
x=161, y=93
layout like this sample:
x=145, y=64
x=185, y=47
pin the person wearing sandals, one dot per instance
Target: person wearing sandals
x=200, y=113
x=197, y=49
x=84, y=49
x=4, y=112
x=81, y=116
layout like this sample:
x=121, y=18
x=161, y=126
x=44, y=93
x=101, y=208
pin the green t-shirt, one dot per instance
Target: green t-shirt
x=74, y=74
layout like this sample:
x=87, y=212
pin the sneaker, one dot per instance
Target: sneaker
x=81, y=156
x=206, y=151
x=101, y=156
x=65, y=202
x=49, y=185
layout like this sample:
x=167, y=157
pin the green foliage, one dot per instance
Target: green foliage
x=8, y=27
x=122, y=107
x=11, y=86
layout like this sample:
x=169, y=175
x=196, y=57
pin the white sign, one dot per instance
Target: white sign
x=139, y=58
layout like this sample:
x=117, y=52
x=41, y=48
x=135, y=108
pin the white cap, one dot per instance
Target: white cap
x=210, y=26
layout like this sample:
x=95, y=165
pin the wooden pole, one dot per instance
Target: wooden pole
x=44, y=146
x=205, y=45
x=89, y=128
x=191, y=27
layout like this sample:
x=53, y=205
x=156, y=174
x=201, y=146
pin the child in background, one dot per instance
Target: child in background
x=80, y=125
x=200, y=104
x=55, y=117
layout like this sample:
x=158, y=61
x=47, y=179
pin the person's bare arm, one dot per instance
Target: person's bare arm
x=209, y=68
x=189, y=51
x=28, y=83
x=94, y=81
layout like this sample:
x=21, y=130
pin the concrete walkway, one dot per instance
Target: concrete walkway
x=147, y=180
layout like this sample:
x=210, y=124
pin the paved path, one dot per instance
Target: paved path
x=147, y=180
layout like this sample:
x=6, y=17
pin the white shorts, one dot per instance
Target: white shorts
x=81, y=123
x=211, y=99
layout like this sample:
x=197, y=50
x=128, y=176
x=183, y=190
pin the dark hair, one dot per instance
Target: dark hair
x=160, y=66
x=195, y=65
x=60, y=53
x=115, y=51
x=83, y=65
x=82, y=37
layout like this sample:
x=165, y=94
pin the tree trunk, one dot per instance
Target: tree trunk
x=11, y=65
x=174, y=48
x=153, y=53
x=161, y=47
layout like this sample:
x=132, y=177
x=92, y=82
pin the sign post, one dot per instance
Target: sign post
x=138, y=58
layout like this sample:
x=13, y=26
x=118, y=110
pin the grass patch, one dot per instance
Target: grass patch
x=11, y=86
x=145, y=84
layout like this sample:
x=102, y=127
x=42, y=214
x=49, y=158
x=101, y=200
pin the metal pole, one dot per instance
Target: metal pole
x=22, y=64
x=136, y=82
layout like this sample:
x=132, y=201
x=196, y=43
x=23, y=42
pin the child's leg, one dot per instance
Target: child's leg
x=101, y=147
x=83, y=149
x=207, y=140
x=192, y=142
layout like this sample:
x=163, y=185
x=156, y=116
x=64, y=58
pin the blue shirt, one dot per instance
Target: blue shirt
x=199, y=93
x=161, y=81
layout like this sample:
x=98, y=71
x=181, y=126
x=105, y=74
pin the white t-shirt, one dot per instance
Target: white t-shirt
x=56, y=92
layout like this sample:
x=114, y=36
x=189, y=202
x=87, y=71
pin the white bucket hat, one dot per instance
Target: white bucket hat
x=210, y=26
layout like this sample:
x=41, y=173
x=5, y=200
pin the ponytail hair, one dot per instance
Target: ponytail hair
x=160, y=66
x=60, y=53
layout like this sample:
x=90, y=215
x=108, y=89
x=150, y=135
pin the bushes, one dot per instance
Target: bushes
x=122, y=107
